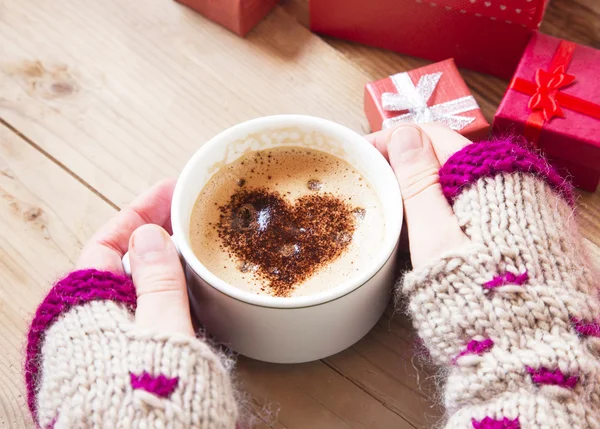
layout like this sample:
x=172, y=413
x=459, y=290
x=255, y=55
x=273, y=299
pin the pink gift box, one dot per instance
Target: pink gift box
x=554, y=101
x=434, y=93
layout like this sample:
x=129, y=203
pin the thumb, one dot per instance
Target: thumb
x=432, y=226
x=162, y=299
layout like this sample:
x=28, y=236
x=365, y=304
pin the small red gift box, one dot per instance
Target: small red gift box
x=554, y=101
x=434, y=93
x=239, y=16
x=483, y=35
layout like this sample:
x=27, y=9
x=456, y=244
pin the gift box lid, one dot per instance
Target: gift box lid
x=576, y=136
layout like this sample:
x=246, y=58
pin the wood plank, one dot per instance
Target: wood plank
x=393, y=380
x=589, y=216
x=139, y=89
x=589, y=6
x=576, y=20
x=594, y=252
x=257, y=421
x=311, y=395
x=47, y=215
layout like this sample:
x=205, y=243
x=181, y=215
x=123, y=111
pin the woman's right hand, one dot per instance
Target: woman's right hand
x=511, y=309
x=416, y=154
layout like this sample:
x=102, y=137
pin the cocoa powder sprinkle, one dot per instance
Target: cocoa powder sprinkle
x=285, y=243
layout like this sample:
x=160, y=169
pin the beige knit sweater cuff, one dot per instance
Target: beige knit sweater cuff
x=514, y=318
x=89, y=366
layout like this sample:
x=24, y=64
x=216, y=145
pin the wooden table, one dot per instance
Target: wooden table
x=100, y=99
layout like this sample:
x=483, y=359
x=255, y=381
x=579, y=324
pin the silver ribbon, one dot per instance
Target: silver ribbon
x=414, y=99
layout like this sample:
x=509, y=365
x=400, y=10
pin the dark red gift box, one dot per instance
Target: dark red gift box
x=483, y=35
x=436, y=92
x=239, y=16
x=554, y=101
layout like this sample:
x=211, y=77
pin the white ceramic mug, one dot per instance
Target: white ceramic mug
x=292, y=329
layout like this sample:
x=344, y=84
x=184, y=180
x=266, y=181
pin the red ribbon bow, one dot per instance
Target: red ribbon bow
x=547, y=100
x=548, y=84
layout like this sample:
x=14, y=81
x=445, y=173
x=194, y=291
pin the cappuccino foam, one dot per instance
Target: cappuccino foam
x=287, y=221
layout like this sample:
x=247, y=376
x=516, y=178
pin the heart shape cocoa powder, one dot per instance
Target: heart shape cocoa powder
x=285, y=243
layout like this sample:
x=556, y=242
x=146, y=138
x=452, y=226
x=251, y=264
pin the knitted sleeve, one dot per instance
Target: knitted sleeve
x=87, y=366
x=514, y=319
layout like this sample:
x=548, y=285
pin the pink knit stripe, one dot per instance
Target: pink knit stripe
x=586, y=328
x=160, y=385
x=77, y=288
x=475, y=347
x=488, y=159
x=554, y=378
x=52, y=423
x=507, y=279
x=490, y=423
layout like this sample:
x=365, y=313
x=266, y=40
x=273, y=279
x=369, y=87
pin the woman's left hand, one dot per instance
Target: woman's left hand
x=143, y=228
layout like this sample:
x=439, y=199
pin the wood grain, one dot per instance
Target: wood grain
x=101, y=99
x=589, y=216
x=45, y=215
x=159, y=81
x=313, y=395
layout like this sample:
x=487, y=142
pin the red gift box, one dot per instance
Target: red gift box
x=435, y=92
x=554, y=101
x=483, y=35
x=239, y=16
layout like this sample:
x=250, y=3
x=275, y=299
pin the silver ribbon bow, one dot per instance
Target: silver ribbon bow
x=414, y=99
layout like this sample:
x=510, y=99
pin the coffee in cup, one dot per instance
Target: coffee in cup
x=286, y=221
x=306, y=324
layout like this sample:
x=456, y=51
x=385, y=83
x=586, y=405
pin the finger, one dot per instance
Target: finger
x=445, y=141
x=380, y=140
x=162, y=299
x=433, y=228
x=106, y=248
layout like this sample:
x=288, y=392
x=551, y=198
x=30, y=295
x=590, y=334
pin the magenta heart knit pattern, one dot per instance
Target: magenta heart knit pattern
x=511, y=317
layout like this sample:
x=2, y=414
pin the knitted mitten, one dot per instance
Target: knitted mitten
x=88, y=366
x=515, y=318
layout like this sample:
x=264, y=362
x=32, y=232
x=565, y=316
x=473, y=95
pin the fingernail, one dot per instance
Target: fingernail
x=149, y=239
x=406, y=139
